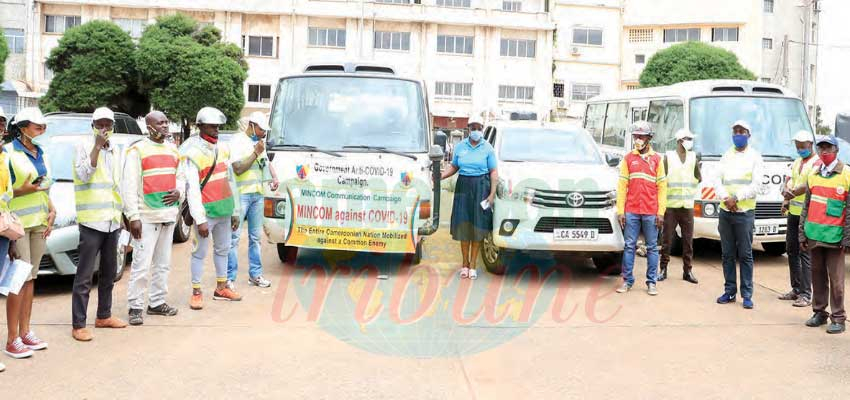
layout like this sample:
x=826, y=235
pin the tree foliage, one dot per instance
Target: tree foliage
x=183, y=68
x=820, y=127
x=93, y=67
x=4, y=53
x=692, y=61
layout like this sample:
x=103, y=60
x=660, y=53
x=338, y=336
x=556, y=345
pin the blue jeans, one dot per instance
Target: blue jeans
x=635, y=224
x=252, y=211
x=736, y=243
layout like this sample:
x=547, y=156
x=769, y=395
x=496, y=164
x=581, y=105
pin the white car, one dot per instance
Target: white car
x=556, y=192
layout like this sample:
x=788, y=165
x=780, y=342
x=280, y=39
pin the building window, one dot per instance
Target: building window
x=134, y=27
x=583, y=92
x=524, y=94
x=681, y=35
x=393, y=1
x=765, y=80
x=455, y=44
x=558, y=90
x=512, y=6
x=392, y=40
x=812, y=73
x=48, y=73
x=455, y=3
x=324, y=37
x=767, y=43
x=632, y=86
x=724, y=34
x=518, y=48
x=259, y=93
x=15, y=40
x=259, y=46
x=587, y=36
x=60, y=23
x=640, y=35
x=640, y=59
x=455, y=90
x=768, y=6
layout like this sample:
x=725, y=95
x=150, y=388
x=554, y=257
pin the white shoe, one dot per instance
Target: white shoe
x=473, y=274
x=2, y=367
x=230, y=285
x=259, y=281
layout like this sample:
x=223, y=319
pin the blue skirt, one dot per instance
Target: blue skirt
x=469, y=221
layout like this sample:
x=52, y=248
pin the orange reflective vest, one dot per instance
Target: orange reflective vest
x=826, y=213
x=216, y=195
x=643, y=184
x=159, y=172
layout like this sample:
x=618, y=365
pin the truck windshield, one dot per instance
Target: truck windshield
x=774, y=122
x=331, y=113
x=548, y=145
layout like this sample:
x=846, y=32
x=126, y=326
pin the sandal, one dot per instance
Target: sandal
x=464, y=273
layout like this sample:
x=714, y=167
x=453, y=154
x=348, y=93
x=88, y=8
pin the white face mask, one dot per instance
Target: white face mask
x=688, y=144
x=639, y=144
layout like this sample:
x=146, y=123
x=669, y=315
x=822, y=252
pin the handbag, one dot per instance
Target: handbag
x=10, y=226
x=187, y=217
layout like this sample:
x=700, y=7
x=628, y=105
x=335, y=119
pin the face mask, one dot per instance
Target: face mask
x=688, y=144
x=740, y=141
x=828, y=158
x=475, y=136
x=108, y=133
x=639, y=144
x=153, y=133
x=805, y=153
x=210, y=139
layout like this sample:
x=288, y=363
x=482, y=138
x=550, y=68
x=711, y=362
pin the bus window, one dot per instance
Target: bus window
x=666, y=117
x=594, y=120
x=616, y=124
x=638, y=114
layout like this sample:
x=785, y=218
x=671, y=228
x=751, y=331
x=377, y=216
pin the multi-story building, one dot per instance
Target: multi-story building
x=477, y=56
x=15, y=92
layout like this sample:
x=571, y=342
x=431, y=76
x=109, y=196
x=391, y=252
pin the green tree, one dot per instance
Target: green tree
x=820, y=127
x=93, y=67
x=4, y=53
x=183, y=68
x=692, y=61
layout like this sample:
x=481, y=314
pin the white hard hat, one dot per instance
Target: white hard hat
x=210, y=115
x=103, y=113
x=31, y=114
x=260, y=119
x=684, y=133
x=742, y=124
x=475, y=119
x=804, y=136
x=641, y=128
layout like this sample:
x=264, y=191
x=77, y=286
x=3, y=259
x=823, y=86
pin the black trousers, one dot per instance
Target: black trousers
x=92, y=243
x=799, y=261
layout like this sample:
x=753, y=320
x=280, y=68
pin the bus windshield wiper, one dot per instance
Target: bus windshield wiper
x=783, y=157
x=304, y=147
x=381, y=149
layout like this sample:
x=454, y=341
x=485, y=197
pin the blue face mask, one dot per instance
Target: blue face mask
x=740, y=141
x=475, y=136
x=805, y=153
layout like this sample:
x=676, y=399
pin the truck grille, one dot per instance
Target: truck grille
x=548, y=224
x=769, y=210
x=558, y=199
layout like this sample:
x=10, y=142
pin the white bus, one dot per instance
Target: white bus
x=352, y=148
x=708, y=108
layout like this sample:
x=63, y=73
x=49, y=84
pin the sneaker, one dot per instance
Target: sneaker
x=624, y=288
x=226, y=294
x=651, y=289
x=473, y=274
x=726, y=298
x=2, y=367
x=748, y=303
x=163, y=309
x=802, y=302
x=790, y=296
x=230, y=285
x=835, y=327
x=259, y=281
x=464, y=273
x=17, y=349
x=197, y=301
x=33, y=342
x=818, y=319
x=135, y=317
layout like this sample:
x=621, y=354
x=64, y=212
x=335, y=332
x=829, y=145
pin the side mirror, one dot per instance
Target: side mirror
x=612, y=160
x=440, y=139
x=436, y=154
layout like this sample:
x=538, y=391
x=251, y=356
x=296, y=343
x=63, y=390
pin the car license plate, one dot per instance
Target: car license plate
x=575, y=234
x=767, y=229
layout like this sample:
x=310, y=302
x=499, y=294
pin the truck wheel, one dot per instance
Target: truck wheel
x=494, y=257
x=417, y=256
x=287, y=253
x=775, y=249
x=609, y=264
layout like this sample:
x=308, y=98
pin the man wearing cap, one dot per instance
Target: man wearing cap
x=212, y=203
x=152, y=189
x=825, y=232
x=737, y=186
x=641, y=203
x=97, y=173
x=683, y=176
x=799, y=262
x=249, y=161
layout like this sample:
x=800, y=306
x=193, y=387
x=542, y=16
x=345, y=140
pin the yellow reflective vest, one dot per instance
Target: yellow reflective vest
x=681, y=182
x=734, y=178
x=799, y=172
x=6, y=192
x=251, y=181
x=99, y=199
x=32, y=208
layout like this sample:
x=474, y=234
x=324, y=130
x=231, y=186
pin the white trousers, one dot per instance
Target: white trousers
x=151, y=255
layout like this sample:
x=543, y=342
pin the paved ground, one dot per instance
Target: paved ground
x=416, y=335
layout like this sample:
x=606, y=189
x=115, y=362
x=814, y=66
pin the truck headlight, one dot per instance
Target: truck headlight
x=709, y=209
x=274, y=208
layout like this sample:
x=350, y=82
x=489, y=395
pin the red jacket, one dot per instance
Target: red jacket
x=643, y=184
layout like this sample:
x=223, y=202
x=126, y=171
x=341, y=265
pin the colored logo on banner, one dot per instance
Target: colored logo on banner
x=406, y=177
x=301, y=170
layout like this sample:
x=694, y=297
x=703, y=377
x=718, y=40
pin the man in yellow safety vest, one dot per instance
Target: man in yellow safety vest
x=683, y=175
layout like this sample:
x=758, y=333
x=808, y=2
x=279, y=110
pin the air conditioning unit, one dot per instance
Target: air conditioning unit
x=575, y=51
x=562, y=104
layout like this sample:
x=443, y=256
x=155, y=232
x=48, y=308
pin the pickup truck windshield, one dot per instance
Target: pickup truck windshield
x=331, y=112
x=547, y=145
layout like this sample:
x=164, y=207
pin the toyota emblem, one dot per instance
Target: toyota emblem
x=575, y=199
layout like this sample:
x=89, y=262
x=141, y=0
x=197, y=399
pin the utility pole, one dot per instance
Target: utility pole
x=804, y=85
x=785, y=61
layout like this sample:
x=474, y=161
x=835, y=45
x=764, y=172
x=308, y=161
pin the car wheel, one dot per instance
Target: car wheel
x=287, y=253
x=609, y=264
x=775, y=249
x=181, y=230
x=494, y=257
x=124, y=259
